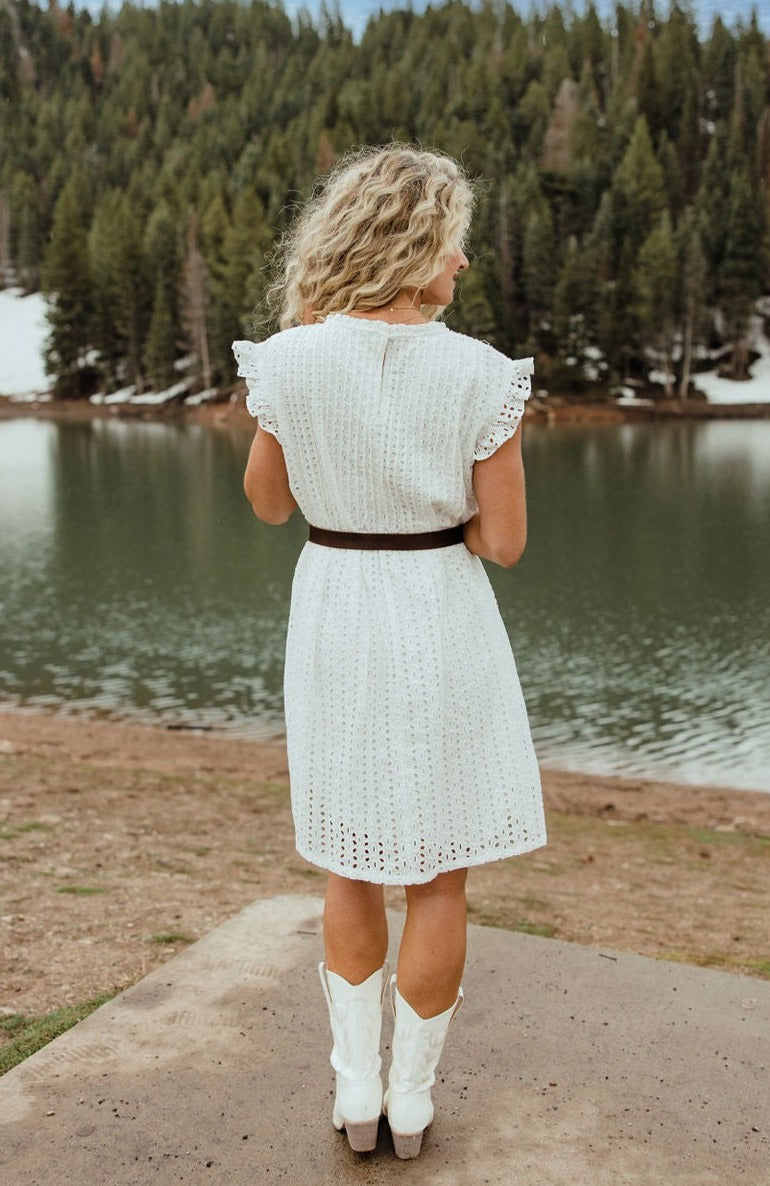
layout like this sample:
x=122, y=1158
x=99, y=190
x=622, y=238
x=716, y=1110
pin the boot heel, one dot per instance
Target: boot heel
x=362, y=1137
x=407, y=1146
x=417, y=1045
x=355, y=1014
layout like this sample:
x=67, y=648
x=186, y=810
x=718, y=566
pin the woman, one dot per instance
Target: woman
x=410, y=756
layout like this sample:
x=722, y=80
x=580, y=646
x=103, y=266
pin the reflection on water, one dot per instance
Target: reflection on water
x=645, y=644
x=136, y=581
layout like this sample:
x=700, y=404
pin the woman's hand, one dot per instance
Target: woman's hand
x=266, y=481
x=498, y=530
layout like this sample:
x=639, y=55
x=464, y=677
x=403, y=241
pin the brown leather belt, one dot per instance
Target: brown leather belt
x=385, y=542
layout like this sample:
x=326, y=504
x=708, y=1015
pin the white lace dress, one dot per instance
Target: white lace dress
x=409, y=747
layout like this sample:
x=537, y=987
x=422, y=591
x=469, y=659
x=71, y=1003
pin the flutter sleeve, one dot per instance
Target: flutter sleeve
x=253, y=367
x=504, y=387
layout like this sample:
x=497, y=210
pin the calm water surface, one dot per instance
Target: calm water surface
x=134, y=581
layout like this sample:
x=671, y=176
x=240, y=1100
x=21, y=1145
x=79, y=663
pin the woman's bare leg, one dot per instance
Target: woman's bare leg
x=432, y=955
x=355, y=928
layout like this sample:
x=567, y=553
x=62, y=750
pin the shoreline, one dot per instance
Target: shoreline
x=121, y=843
x=581, y=791
x=230, y=410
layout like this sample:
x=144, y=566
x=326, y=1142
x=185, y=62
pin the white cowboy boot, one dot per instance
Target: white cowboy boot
x=417, y=1045
x=355, y=1013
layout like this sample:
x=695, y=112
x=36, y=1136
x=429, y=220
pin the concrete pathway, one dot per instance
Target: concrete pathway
x=568, y=1066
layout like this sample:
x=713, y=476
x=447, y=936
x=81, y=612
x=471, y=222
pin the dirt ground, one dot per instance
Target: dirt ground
x=120, y=843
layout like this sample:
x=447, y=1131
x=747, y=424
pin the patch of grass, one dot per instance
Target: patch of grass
x=544, y=929
x=171, y=937
x=711, y=836
x=550, y=868
x=488, y=916
x=676, y=955
x=306, y=871
x=725, y=961
x=716, y=836
x=80, y=889
x=11, y=1025
x=534, y=903
x=30, y=1034
x=277, y=788
x=15, y=830
x=760, y=967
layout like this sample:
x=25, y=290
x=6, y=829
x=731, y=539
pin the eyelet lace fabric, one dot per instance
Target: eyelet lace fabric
x=257, y=386
x=409, y=746
x=516, y=378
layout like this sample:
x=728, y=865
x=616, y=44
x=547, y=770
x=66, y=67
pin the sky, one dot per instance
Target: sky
x=356, y=12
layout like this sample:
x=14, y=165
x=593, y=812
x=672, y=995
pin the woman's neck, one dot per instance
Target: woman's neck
x=403, y=309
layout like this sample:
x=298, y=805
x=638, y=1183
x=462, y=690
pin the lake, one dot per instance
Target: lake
x=136, y=583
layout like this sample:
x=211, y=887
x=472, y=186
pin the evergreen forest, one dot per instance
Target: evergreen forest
x=149, y=157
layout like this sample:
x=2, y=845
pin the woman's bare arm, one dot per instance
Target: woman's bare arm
x=498, y=530
x=266, y=481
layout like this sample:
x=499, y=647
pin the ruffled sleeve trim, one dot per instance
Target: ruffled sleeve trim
x=252, y=367
x=508, y=385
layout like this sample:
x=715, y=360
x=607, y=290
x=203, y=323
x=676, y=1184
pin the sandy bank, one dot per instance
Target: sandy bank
x=121, y=842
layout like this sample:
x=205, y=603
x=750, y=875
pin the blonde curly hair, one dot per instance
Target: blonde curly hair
x=385, y=219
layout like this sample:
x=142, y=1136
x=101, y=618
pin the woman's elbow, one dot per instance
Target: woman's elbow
x=509, y=554
x=275, y=516
x=505, y=542
x=266, y=507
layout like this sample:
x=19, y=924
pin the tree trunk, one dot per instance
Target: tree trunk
x=194, y=303
x=689, y=323
x=5, y=250
x=741, y=357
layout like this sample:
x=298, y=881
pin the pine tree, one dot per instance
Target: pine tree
x=159, y=352
x=741, y=277
x=711, y=206
x=688, y=140
x=473, y=312
x=638, y=189
x=692, y=267
x=194, y=305
x=244, y=251
x=532, y=117
x=539, y=263
x=162, y=249
x=719, y=60
x=26, y=237
x=123, y=305
x=574, y=312
x=677, y=62
x=648, y=92
x=5, y=240
x=655, y=284
x=67, y=281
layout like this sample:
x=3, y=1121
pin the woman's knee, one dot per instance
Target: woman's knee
x=353, y=892
x=444, y=885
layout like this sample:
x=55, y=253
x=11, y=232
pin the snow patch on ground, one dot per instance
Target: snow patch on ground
x=202, y=397
x=123, y=396
x=162, y=397
x=755, y=390
x=629, y=399
x=23, y=332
